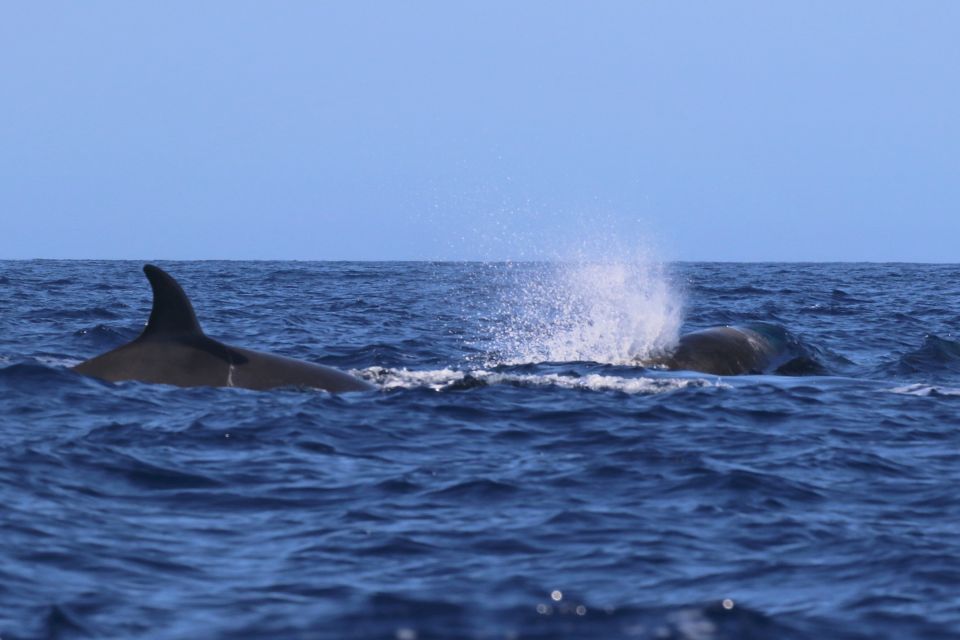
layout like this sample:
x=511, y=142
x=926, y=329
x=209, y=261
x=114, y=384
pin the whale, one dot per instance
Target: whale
x=757, y=348
x=174, y=350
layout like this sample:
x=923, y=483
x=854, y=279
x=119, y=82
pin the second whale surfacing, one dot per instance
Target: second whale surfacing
x=758, y=348
x=174, y=350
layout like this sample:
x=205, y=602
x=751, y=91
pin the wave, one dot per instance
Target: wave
x=103, y=337
x=40, y=371
x=89, y=313
x=926, y=390
x=741, y=290
x=935, y=356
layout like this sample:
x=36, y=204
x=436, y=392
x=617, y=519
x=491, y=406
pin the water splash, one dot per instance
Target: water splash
x=607, y=311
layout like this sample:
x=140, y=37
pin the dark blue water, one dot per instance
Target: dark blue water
x=514, y=476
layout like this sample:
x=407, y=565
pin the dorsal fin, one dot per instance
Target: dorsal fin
x=172, y=313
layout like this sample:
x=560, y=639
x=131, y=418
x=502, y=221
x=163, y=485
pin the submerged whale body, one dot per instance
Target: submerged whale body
x=174, y=350
x=747, y=349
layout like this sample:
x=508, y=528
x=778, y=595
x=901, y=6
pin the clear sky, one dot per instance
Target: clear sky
x=803, y=130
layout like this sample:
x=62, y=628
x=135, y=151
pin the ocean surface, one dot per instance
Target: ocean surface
x=514, y=475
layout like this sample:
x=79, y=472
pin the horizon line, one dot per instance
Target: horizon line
x=476, y=260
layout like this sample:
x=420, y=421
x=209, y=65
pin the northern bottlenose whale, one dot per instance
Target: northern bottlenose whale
x=174, y=350
x=735, y=350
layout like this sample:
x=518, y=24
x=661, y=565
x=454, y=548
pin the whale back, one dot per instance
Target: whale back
x=728, y=351
x=173, y=349
x=721, y=351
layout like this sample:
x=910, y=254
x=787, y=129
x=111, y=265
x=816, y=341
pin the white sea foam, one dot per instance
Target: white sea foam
x=596, y=382
x=926, y=390
x=405, y=379
x=52, y=361
x=442, y=379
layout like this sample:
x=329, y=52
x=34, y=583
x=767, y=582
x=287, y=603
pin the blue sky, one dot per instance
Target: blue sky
x=815, y=130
